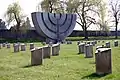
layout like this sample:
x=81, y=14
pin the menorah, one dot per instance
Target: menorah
x=55, y=27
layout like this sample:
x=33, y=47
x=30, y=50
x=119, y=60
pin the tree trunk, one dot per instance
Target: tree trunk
x=116, y=34
x=85, y=34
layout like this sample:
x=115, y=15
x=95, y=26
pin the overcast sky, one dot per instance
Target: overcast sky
x=27, y=6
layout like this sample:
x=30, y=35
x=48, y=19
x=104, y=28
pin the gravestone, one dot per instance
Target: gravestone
x=88, y=42
x=103, y=41
x=16, y=48
x=116, y=43
x=31, y=46
x=14, y=44
x=46, y=52
x=91, y=47
x=18, y=43
x=99, y=41
x=23, y=47
x=69, y=42
x=3, y=44
x=63, y=42
x=81, y=48
x=88, y=51
x=36, y=56
x=93, y=43
x=50, y=44
x=0, y=46
x=103, y=61
x=54, y=27
x=107, y=44
x=78, y=42
x=8, y=45
x=55, y=49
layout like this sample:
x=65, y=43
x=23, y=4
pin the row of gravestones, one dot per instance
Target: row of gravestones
x=102, y=56
x=108, y=45
x=37, y=53
x=40, y=53
x=17, y=46
x=86, y=48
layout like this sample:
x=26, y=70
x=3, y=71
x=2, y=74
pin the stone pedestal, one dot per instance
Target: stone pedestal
x=31, y=46
x=4, y=45
x=88, y=51
x=107, y=44
x=81, y=48
x=116, y=43
x=46, y=52
x=8, y=45
x=36, y=56
x=103, y=61
x=16, y=48
x=55, y=49
x=23, y=47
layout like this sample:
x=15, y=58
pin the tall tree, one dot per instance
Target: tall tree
x=51, y=6
x=2, y=24
x=102, y=21
x=84, y=9
x=115, y=11
x=14, y=15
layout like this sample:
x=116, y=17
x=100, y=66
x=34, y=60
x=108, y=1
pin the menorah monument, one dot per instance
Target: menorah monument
x=54, y=27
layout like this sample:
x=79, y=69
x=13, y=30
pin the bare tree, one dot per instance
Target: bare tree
x=84, y=9
x=115, y=11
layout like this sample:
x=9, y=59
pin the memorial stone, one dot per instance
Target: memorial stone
x=103, y=61
x=54, y=27
x=107, y=44
x=46, y=52
x=4, y=44
x=23, y=47
x=78, y=42
x=8, y=45
x=31, y=46
x=88, y=42
x=93, y=43
x=116, y=43
x=16, y=48
x=36, y=56
x=88, y=51
x=81, y=48
x=55, y=49
x=0, y=46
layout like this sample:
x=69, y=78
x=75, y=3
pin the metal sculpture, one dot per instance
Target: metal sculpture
x=55, y=27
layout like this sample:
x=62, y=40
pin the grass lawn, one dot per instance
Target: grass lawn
x=67, y=66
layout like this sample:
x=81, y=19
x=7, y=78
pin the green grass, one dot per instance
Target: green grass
x=67, y=66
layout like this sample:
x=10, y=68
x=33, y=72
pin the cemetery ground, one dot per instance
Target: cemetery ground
x=67, y=66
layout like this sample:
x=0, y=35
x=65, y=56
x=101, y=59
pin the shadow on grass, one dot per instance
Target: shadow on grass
x=94, y=76
x=28, y=66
